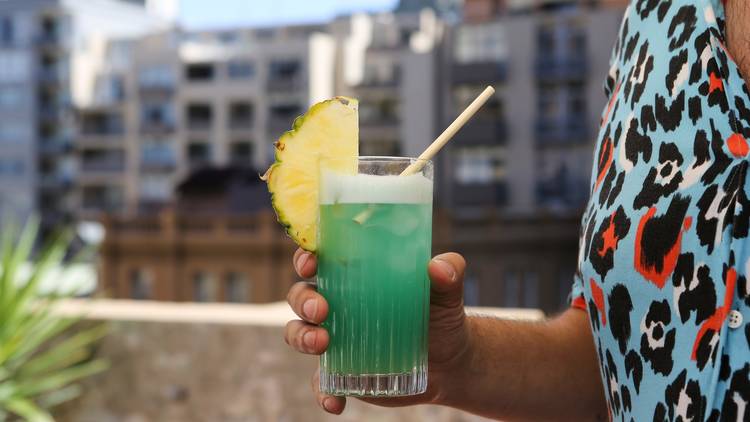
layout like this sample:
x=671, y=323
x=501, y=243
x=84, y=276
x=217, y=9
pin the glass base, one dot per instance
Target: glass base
x=374, y=385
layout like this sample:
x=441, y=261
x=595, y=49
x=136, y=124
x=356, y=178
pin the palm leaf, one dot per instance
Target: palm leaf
x=28, y=410
x=39, y=362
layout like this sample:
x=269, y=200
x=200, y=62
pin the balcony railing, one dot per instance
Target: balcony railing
x=483, y=131
x=157, y=126
x=241, y=123
x=479, y=73
x=280, y=84
x=561, y=132
x=55, y=145
x=50, y=76
x=561, y=68
x=103, y=166
x=480, y=194
x=199, y=124
x=160, y=162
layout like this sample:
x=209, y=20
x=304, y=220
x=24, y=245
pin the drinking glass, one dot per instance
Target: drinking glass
x=374, y=244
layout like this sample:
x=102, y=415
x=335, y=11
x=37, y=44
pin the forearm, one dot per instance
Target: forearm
x=530, y=371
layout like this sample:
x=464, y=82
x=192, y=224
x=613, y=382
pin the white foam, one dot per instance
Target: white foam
x=368, y=189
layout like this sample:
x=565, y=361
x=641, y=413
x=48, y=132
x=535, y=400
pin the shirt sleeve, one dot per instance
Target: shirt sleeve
x=577, y=300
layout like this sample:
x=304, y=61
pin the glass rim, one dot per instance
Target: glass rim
x=391, y=158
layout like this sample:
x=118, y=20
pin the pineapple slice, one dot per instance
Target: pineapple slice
x=328, y=132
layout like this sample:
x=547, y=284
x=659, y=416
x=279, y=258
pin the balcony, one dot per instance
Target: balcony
x=199, y=124
x=560, y=69
x=482, y=195
x=50, y=40
x=50, y=76
x=562, y=132
x=157, y=126
x=158, y=161
x=49, y=112
x=562, y=193
x=479, y=73
x=286, y=85
x=56, y=181
x=483, y=132
x=53, y=146
x=103, y=165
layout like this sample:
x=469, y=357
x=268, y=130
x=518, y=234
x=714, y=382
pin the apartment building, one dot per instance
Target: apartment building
x=525, y=160
x=530, y=149
x=36, y=170
x=241, y=89
x=189, y=100
x=390, y=63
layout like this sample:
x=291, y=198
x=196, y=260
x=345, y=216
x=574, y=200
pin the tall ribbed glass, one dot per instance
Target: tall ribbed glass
x=375, y=237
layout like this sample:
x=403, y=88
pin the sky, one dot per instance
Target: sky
x=203, y=14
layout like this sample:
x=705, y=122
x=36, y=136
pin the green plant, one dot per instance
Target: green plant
x=42, y=355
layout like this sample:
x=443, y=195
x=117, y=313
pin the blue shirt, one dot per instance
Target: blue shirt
x=664, y=251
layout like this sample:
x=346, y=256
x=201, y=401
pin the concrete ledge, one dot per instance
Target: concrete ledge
x=272, y=314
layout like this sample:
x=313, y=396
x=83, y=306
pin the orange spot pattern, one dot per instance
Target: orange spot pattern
x=650, y=272
x=738, y=145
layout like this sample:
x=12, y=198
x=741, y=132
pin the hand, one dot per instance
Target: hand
x=448, y=335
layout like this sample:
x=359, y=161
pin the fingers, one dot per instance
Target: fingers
x=306, y=338
x=305, y=263
x=330, y=404
x=307, y=303
x=447, y=273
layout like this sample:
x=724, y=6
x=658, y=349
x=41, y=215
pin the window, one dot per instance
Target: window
x=6, y=30
x=141, y=284
x=160, y=76
x=11, y=168
x=241, y=115
x=199, y=72
x=380, y=147
x=284, y=69
x=236, y=288
x=239, y=69
x=530, y=289
x=511, y=289
x=11, y=98
x=566, y=278
x=199, y=153
x=241, y=153
x=471, y=290
x=228, y=37
x=481, y=43
x=465, y=94
x=199, y=116
x=14, y=66
x=480, y=165
x=13, y=132
x=204, y=287
x=285, y=112
x=155, y=188
x=156, y=114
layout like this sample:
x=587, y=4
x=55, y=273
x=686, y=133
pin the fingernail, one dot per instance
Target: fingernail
x=309, y=340
x=447, y=267
x=328, y=404
x=302, y=260
x=310, y=308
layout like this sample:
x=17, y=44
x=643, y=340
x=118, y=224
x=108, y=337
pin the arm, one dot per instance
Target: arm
x=503, y=369
x=531, y=371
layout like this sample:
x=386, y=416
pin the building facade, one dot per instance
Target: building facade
x=510, y=186
x=36, y=167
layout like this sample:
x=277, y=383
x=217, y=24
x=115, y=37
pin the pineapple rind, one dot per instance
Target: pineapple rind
x=293, y=183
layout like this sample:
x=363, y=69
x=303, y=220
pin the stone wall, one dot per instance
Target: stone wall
x=167, y=366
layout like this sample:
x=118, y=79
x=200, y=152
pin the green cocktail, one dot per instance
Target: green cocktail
x=375, y=234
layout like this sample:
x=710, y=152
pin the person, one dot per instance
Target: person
x=658, y=327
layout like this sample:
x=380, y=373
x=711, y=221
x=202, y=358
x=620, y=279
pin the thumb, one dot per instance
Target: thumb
x=447, y=274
